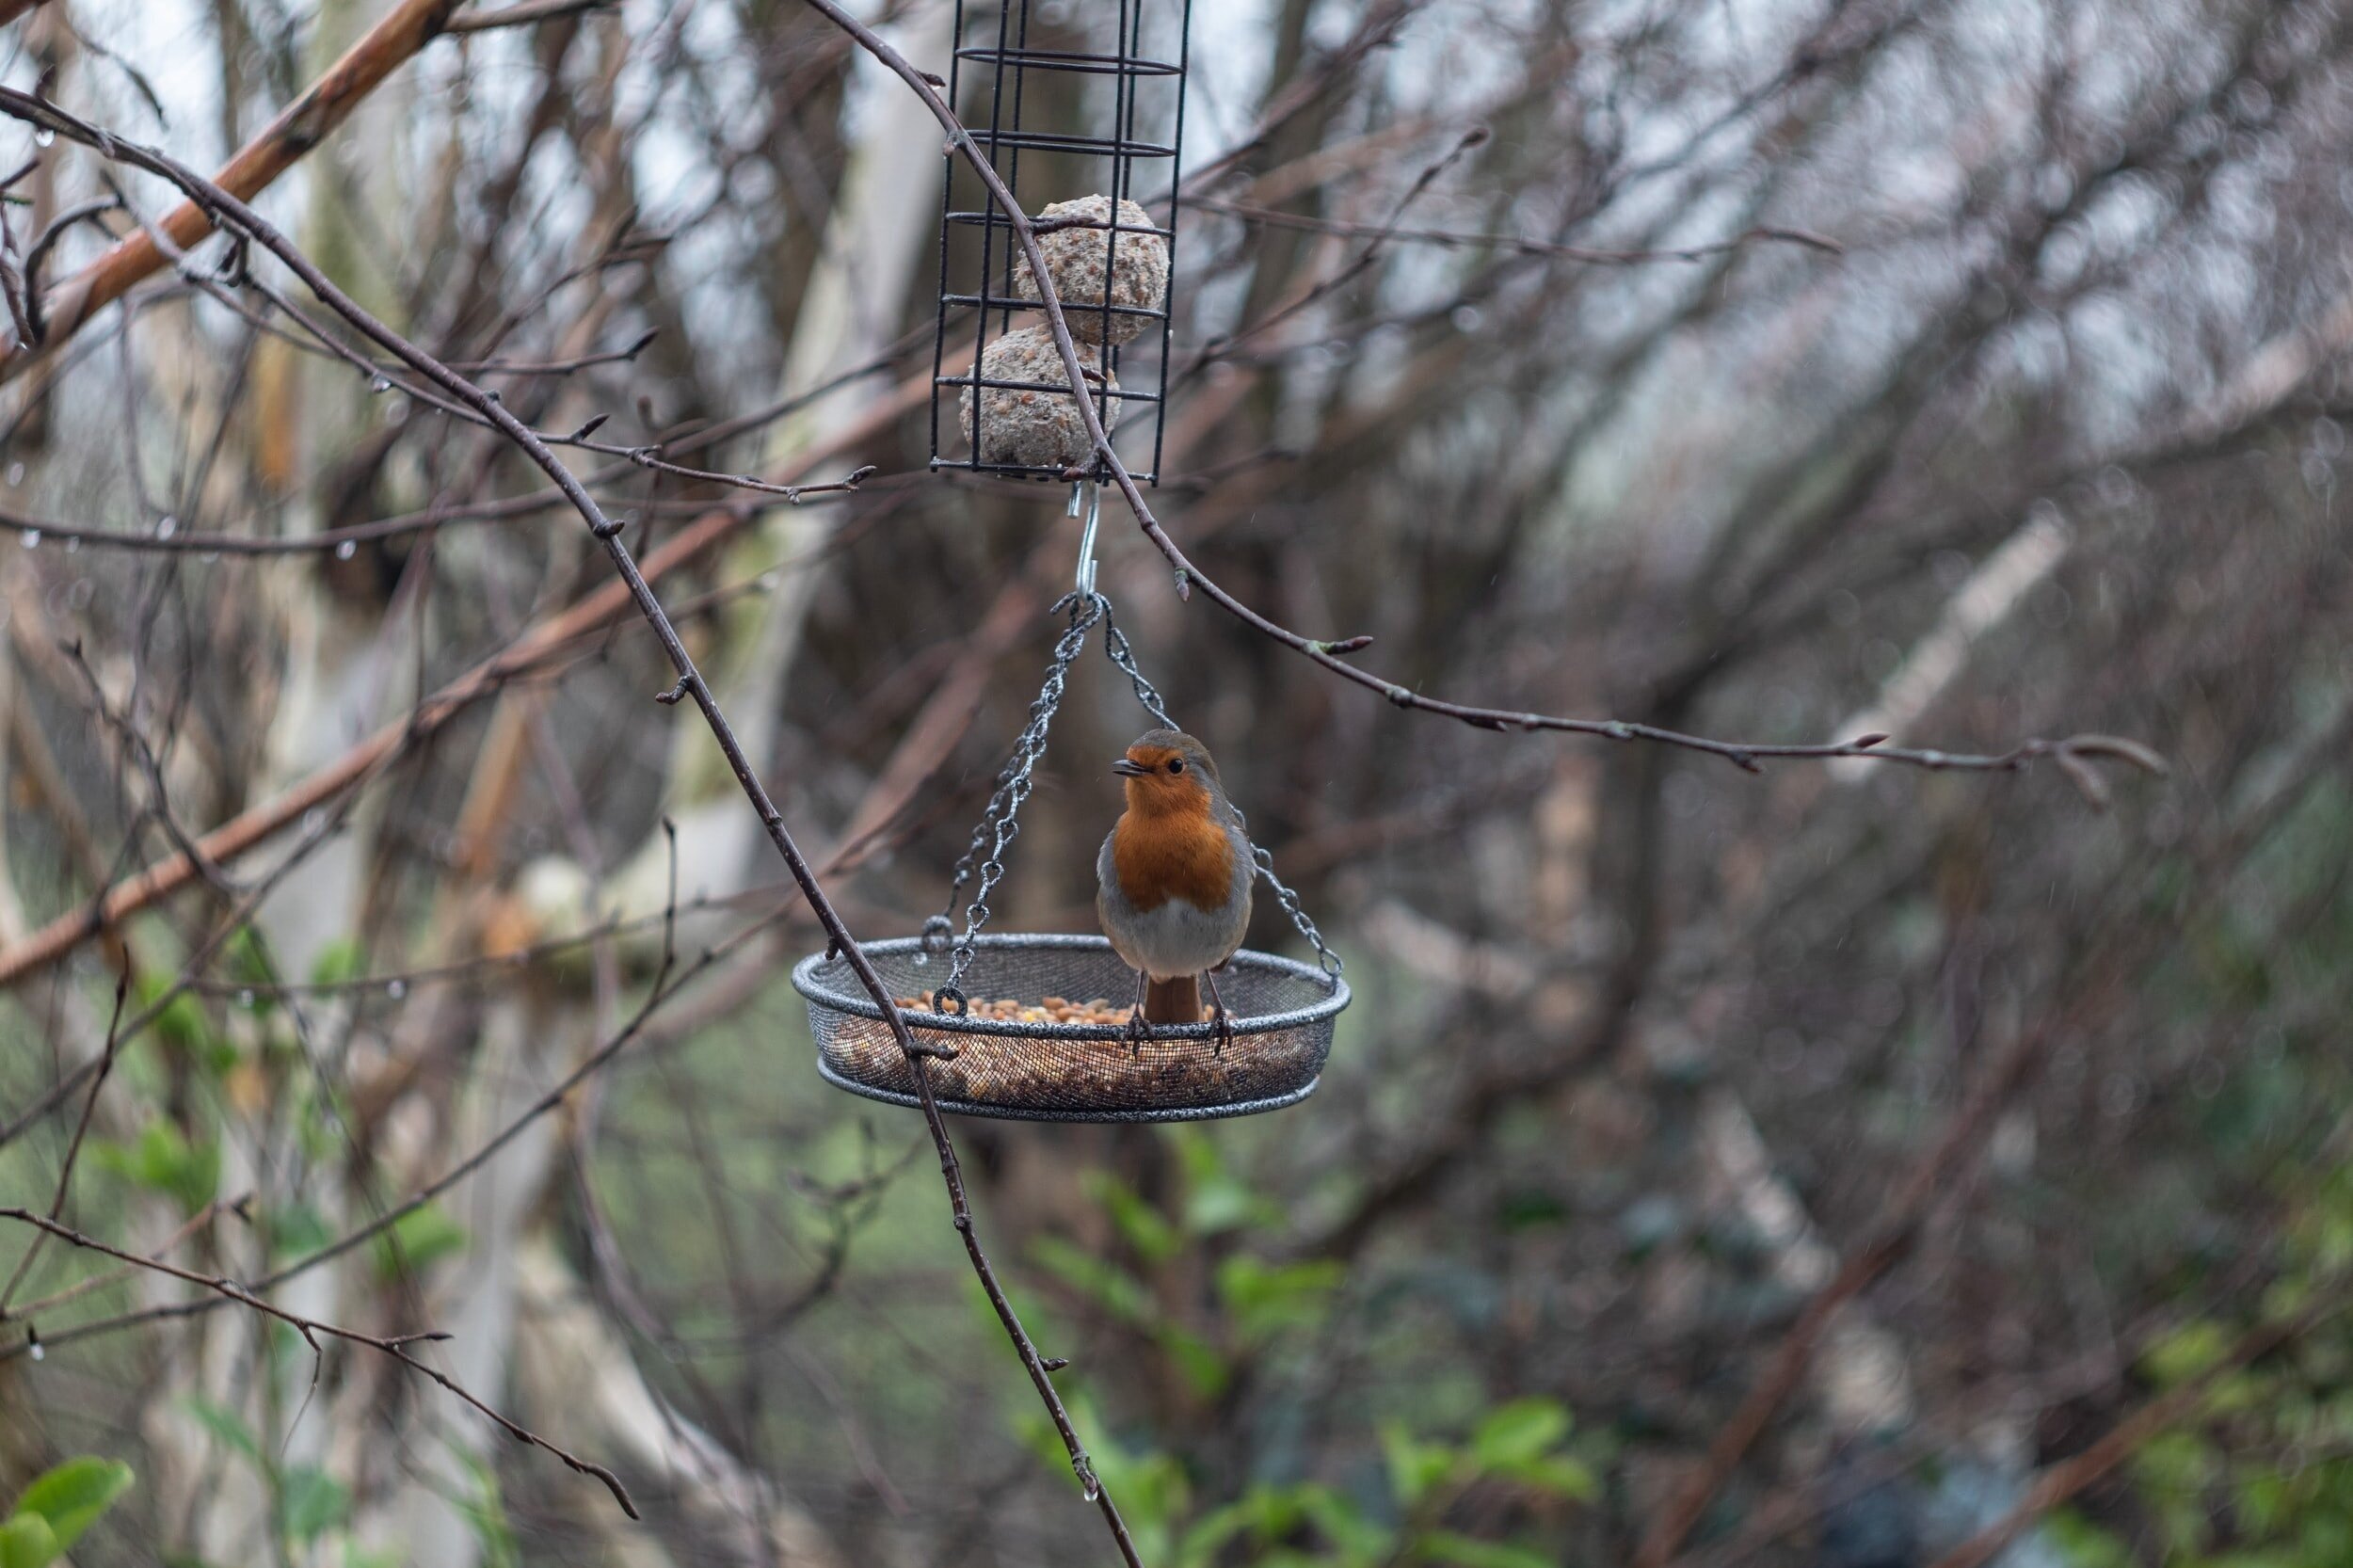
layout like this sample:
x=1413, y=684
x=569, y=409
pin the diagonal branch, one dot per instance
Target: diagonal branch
x=221, y=206
x=2058, y=1482
x=259, y=824
x=300, y=126
x=396, y=1346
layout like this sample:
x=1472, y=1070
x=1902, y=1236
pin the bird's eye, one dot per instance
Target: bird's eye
x=1175, y=764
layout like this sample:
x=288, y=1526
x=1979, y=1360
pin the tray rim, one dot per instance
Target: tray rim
x=1045, y=1113
x=858, y=1004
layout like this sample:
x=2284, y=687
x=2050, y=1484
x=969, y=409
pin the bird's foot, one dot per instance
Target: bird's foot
x=1225, y=1025
x=1138, y=1032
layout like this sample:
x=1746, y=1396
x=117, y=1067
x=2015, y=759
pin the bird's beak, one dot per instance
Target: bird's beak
x=1129, y=770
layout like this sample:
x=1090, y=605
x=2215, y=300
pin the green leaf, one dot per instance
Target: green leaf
x=1216, y=1200
x=1096, y=1279
x=226, y=1427
x=380, y=1557
x=163, y=1160
x=246, y=959
x=418, y=1240
x=27, y=1542
x=1198, y=1360
x=1415, y=1467
x=309, y=1503
x=486, y=1511
x=1266, y=1299
x=72, y=1496
x=183, y=1026
x=337, y=962
x=1517, y=1433
x=296, y=1230
x=1465, y=1551
x=1222, y=1204
x=1141, y=1225
x=1557, y=1474
x=1344, y=1524
x=2192, y=1349
x=1199, y=1545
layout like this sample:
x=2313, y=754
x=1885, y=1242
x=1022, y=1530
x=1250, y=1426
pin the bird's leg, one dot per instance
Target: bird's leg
x=1217, y=1003
x=1136, y=1032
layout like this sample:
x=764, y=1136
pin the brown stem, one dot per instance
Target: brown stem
x=310, y=1329
x=259, y=824
x=2060, y=1482
x=1745, y=754
x=227, y=207
x=299, y=126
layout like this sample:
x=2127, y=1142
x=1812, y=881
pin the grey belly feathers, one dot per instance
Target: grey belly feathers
x=1180, y=937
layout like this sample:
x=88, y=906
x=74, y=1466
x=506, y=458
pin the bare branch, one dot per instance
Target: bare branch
x=524, y=14
x=396, y=1346
x=1747, y=756
x=299, y=127
x=225, y=207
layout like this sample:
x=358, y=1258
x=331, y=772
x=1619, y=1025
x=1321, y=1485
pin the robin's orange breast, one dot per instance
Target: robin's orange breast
x=1170, y=855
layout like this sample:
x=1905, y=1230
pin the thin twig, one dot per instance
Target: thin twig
x=299, y=127
x=2060, y=1482
x=256, y=825
x=73, y=1149
x=223, y=207
x=1272, y=218
x=524, y=15
x=1748, y=756
x=238, y=1206
x=310, y=1329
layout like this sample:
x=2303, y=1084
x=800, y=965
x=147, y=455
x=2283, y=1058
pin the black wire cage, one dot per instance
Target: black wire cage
x=1030, y=78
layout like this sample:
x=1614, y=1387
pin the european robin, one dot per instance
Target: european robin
x=1174, y=880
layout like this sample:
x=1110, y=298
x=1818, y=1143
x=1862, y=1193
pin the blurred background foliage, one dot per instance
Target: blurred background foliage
x=1777, y=369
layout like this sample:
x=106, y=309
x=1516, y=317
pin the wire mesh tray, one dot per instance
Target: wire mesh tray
x=1280, y=1011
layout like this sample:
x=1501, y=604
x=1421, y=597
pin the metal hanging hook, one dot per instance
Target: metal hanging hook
x=1092, y=495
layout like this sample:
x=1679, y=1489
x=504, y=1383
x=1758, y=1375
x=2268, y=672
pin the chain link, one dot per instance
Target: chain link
x=985, y=858
x=994, y=834
x=1115, y=649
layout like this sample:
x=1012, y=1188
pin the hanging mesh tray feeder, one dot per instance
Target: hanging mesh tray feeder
x=1029, y=1067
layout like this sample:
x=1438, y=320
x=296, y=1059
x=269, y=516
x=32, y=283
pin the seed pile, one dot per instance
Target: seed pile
x=1046, y=1010
x=1107, y=1072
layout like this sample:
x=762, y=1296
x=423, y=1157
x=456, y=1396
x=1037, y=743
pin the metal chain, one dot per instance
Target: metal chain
x=1325, y=958
x=1115, y=649
x=999, y=824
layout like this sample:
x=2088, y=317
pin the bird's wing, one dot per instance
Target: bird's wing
x=1111, y=900
x=1245, y=878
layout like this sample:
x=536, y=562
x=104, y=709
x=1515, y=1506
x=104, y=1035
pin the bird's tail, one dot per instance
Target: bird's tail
x=1173, y=1002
